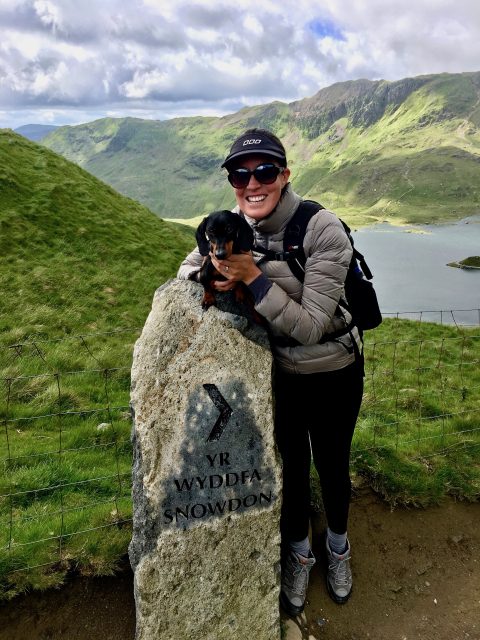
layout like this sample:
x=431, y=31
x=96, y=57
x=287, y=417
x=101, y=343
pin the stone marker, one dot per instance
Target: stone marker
x=206, y=477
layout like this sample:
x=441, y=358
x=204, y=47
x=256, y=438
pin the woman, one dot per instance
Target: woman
x=318, y=384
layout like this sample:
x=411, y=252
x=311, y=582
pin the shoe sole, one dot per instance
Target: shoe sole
x=289, y=608
x=335, y=597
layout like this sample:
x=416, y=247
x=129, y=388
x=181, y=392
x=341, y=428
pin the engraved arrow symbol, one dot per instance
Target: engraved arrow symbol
x=225, y=412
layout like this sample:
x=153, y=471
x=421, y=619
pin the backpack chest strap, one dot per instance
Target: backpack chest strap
x=268, y=254
x=294, y=235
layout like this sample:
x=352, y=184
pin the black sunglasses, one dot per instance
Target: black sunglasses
x=264, y=173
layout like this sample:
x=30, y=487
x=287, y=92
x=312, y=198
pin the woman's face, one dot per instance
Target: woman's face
x=258, y=200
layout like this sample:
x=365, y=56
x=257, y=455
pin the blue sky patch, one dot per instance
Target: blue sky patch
x=326, y=29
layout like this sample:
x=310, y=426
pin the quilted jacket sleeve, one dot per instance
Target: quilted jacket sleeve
x=328, y=253
x=190, y=265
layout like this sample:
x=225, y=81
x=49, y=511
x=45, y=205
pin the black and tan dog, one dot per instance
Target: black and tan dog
x=222, y=233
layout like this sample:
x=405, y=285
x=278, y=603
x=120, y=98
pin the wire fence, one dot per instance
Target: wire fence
x=66, y=452
x=422, y=395
x=65, y=482
x=457, y=317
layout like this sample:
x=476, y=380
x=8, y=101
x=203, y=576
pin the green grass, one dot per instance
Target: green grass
x=422, y=393
x=76, y=256
x=77, y=259
x=66, y=458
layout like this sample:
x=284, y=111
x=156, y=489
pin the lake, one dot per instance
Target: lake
x=410, y=270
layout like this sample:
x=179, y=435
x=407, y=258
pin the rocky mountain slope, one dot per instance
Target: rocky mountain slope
x=372, y=150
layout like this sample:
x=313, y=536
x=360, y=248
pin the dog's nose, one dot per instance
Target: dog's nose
x=220, y=254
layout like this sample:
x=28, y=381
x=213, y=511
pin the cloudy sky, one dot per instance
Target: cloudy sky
x=72, y=61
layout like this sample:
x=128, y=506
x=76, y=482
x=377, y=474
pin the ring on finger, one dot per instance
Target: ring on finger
x=227, y=268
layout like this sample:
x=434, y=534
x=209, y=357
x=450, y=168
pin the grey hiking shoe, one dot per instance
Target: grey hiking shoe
x=295, y=573
x=339, y=574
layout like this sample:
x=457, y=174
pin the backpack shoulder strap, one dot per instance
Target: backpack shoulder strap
x=294, y=235
x=357, y=256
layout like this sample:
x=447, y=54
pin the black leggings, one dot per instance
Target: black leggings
x=317, y=409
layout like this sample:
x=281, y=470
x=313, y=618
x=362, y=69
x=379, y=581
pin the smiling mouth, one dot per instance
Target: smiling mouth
x=254, y=199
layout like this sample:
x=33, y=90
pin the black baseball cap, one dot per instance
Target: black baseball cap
x=255, y=143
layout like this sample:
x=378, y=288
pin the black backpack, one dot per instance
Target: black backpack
x=361, y=299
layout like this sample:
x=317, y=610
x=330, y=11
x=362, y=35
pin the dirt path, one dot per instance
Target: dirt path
x=417, y=577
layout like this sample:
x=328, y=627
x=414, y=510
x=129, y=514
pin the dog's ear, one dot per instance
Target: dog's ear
x=202, y=242
x=245, y=235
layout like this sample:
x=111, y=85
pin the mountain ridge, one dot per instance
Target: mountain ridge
x=403, y=151
x=35, y=132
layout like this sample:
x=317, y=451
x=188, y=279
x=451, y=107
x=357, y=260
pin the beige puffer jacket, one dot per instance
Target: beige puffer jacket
x=305, y=311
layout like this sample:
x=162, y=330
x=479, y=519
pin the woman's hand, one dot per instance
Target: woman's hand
x=240, y=267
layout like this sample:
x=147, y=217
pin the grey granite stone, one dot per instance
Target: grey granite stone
x=206, y=477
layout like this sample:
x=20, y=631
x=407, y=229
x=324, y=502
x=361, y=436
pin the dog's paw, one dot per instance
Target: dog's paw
x=208, y=301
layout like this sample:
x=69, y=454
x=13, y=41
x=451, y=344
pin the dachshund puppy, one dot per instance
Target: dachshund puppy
x=222, y=233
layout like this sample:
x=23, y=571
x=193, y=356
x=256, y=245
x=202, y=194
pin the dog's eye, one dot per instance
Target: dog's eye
x=229, y=230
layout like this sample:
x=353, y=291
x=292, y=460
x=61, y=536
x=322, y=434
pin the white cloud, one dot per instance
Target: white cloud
x=167, y=58
x=202, y=36
x=252, y=25
x=48, y=13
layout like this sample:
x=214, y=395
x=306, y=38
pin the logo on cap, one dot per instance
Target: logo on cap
x=252, y=141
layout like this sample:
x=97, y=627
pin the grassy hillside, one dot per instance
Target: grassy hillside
x=76, y=255
x=79, y=267
x=405, y=151
x=157, y=163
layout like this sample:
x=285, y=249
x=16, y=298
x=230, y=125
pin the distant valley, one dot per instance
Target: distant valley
x=35, y=132
x=405, y=151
